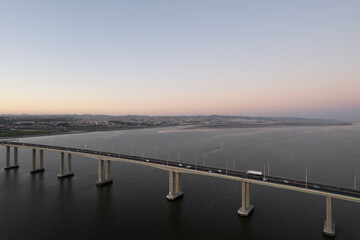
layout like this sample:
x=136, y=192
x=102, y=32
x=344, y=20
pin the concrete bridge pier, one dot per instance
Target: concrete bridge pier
x=246, y=206
x=7, y=157
x=174, y=186
x=62, y=173
x=101, y=180
x=16, y=157
x=329, y=225
x=33, y=162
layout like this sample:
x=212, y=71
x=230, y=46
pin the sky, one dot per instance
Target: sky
x=198, y=57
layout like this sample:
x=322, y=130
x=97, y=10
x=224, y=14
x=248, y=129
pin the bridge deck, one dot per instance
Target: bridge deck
x=271, y=181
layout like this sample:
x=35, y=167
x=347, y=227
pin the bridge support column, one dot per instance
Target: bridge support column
x=101, y=180
x=62, y=173
x=7, y=157
x=174, y=186
x=69, y=163
x=329, y=225
x=246, y=206
x=16, y=157
x=41, y=159
x=107, y=169
x=33, y=162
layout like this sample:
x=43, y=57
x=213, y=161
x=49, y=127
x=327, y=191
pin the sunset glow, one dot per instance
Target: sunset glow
x=181, y=58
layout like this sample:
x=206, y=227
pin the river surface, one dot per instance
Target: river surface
x=40, y=206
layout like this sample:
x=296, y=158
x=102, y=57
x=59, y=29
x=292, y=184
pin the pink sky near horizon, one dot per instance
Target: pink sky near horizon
x=238, y=99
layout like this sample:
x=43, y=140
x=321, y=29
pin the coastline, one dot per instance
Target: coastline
x=225, y=126
x=42, y=132
x=4, y=136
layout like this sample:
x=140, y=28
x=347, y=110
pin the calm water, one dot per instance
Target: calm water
x=43, y=207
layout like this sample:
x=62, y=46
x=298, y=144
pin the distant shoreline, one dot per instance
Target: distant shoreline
x=54, y=133
x=225, y=126
x=209, y=126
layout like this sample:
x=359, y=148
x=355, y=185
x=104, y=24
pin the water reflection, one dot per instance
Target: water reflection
x=37, y=180
x=65, y=187
x=175, y=211
x=104, y=194
x=11, y=174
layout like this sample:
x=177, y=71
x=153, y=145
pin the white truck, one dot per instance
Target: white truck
x=252, y=172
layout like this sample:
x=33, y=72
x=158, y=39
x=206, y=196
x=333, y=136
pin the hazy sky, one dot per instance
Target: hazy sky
x=270, y=58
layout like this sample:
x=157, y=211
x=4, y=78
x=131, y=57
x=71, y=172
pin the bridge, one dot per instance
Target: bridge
x=175, y=170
